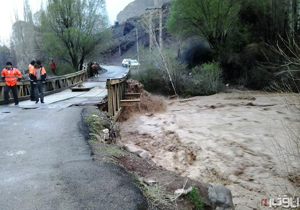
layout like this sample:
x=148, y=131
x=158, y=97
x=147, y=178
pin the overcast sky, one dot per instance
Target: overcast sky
x=7, y=8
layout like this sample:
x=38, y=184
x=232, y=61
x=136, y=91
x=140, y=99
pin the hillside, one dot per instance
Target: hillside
x=125, y=36
x=138, y=7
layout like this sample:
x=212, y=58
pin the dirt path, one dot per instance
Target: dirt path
x=225, y=138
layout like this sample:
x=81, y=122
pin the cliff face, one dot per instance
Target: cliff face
x=125, y=36
x=138, y=7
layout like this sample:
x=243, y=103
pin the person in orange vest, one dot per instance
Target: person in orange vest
x=32, y=86
x=95, y=67
x=11, y=76
x=38, y=76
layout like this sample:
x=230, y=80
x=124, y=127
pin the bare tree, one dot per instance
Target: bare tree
x=23, y=38
x=74, y=29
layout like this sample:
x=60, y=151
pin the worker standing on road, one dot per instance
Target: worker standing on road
x=53, y=67
x=32, y=86
x=95, y=68
x=11, y=76
x=39, y=79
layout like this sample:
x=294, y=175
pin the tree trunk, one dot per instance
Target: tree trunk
x=81, y=62
x=75, y=62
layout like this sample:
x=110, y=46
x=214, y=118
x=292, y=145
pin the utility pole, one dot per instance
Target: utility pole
x=137, y=44
x=160, y=29
x=150, y=31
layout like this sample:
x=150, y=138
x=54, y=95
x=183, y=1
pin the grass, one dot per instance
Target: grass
x=157, y=195
x=112, y=151
x=195, y=198
x=95, y=124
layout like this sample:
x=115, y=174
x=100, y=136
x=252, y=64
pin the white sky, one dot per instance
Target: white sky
x=7, y=8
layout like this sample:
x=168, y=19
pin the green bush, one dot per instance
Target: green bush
x=195, y=198
x=204, y=80
x=153, y=80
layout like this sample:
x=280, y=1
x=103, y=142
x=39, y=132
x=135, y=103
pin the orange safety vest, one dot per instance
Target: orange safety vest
x=42, y=69
x=11, y=76
x=95, y=66
x=30, y=69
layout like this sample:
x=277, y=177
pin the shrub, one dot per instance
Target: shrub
x=195, y=198
x=154, y=76
x=153, y=79
x=204, y=80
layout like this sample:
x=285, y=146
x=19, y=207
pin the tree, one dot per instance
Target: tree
x=4, y=55
x=23, y=39
x=74, y=29
x=217, y=21
x=214, y=20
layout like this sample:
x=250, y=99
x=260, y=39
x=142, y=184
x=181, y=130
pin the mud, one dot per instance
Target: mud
x=225, y=138
x=149, y=104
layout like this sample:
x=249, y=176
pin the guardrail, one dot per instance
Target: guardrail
x=117, y=98
x=52, y=85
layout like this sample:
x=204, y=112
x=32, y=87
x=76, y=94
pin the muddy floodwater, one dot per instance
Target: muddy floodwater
x=226, y=138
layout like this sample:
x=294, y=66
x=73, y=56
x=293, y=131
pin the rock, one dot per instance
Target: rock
x=144, y=155
x=106, y=134
x=150, y=182
x=133, y=149
x=220, y=197
x=149, y=114
x=105, y=131
x=180, y=192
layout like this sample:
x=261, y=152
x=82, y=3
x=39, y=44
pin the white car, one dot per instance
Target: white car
x=133, y=63
x=125, y=62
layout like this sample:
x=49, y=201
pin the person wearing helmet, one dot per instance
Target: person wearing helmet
x=11, y=76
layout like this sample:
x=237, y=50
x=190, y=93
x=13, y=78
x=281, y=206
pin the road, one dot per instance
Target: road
x=46, y=163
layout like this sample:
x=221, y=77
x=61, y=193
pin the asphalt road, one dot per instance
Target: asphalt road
x=46, y=163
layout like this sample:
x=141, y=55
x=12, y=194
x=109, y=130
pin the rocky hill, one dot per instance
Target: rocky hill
x=138, y=7
x=125, y=36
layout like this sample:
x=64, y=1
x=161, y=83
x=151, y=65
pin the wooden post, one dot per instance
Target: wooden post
x=109, y=95
x=113, y=99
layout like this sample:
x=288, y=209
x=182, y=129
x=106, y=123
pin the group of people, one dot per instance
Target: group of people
x=37, y=76
x=95, y=67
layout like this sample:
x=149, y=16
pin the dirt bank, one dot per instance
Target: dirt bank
x=225, y=138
